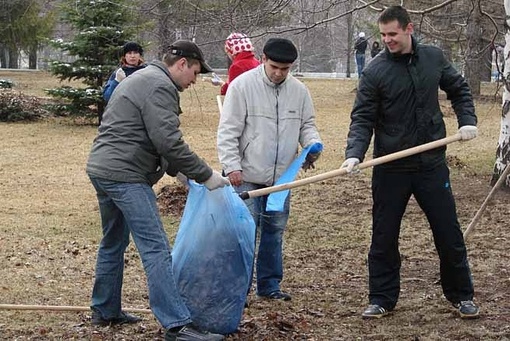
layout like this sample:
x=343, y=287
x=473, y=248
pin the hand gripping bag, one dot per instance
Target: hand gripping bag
x=213, y=257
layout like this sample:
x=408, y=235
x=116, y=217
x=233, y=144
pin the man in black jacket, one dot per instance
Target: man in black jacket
x=397, y=101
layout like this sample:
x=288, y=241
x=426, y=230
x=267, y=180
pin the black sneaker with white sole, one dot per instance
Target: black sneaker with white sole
x=374, y=311
x=467, y=309
x=190, y=332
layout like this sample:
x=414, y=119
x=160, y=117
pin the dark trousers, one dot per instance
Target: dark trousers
x=391, y=192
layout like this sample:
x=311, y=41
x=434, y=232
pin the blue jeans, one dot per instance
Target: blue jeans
x=360, y=62
x=131, y=208
x=271, y=226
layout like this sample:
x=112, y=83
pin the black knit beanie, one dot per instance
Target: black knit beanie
x=131, y=46
x=280, y=50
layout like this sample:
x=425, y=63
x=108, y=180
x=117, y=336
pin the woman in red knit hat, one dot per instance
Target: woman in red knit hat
x=239, y=49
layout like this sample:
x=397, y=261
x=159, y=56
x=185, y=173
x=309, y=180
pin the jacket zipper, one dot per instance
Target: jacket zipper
x=277, y=135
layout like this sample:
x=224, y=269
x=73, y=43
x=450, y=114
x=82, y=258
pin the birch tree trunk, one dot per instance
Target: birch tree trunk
x=474, y=59
x=503, y=150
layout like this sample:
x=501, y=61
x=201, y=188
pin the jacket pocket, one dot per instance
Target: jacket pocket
x=437, y=128
x=290, y=114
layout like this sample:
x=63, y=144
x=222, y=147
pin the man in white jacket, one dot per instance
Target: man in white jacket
x=267, y=114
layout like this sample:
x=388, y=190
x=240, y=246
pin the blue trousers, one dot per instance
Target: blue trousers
x=131, y=208
x=360, y=62
x=271, y=225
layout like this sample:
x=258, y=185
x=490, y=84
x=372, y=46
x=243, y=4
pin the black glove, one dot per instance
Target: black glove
x=310, y=160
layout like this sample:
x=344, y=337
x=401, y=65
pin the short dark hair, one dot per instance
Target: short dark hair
x=392, y=13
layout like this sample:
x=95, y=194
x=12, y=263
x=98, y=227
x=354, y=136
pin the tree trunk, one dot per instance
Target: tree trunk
x=32, y=57
x=503, y=150
x=486, y=72
x=162, y=28
x=3, y=57
x=13, y=59
x=349, y=44
x=474, y=56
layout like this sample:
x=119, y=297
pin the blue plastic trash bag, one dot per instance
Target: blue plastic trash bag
x=276, y=200
x=213, y=257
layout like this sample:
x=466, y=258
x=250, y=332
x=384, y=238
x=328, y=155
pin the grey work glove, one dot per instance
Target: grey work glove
x=351, y=165
x=120, y=75
x=183, y=179
x=310, y=161
x=216, y=180
x=468, y=132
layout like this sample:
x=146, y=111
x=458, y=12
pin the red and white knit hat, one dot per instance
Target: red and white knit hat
x=238, y=42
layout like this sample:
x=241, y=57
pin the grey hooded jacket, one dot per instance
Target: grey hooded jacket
x=139, y=137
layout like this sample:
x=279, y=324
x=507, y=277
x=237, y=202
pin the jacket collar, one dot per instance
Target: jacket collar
x=164, y=68
x=405, y=57
x=266, y=79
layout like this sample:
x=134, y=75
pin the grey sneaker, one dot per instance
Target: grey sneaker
x=374, y=311
x=190, y=332
x=467, y=309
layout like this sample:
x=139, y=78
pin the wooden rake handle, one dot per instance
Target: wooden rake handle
x=62, y=308
x=370, y=163
x=220, y=104
x=478, y=214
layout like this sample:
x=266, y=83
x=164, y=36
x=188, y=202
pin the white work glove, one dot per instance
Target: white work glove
x=183, y=179
x=216, y=80
x=120, y=75
x=468, y=132
x=351, y=165
x=216, y=180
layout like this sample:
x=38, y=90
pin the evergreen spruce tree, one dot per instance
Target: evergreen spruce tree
x=100, y=31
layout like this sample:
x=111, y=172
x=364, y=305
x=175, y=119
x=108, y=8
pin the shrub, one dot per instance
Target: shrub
x=6, y=84
x=18, y=107
x=75, y=101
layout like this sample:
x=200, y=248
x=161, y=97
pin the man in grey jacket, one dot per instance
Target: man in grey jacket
x=139, y=140
x=266, y=115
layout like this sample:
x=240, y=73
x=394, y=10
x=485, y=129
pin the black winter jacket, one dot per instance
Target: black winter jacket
x=397, y=101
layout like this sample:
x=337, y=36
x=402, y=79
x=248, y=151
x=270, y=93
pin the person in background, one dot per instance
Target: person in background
x=267, y=114
x=130, y=62
x=360, y=47
x=376, y=48
x=139, y=140
x=397, y=101
x=239, y=50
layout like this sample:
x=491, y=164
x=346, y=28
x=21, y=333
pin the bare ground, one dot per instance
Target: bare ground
x=49, y=232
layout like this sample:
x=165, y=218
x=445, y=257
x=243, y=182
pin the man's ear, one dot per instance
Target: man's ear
x=410, y=28
x=181, y=63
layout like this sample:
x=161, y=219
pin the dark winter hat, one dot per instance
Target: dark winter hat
x=188, y=49
x=131, y=46
x=280, y=50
